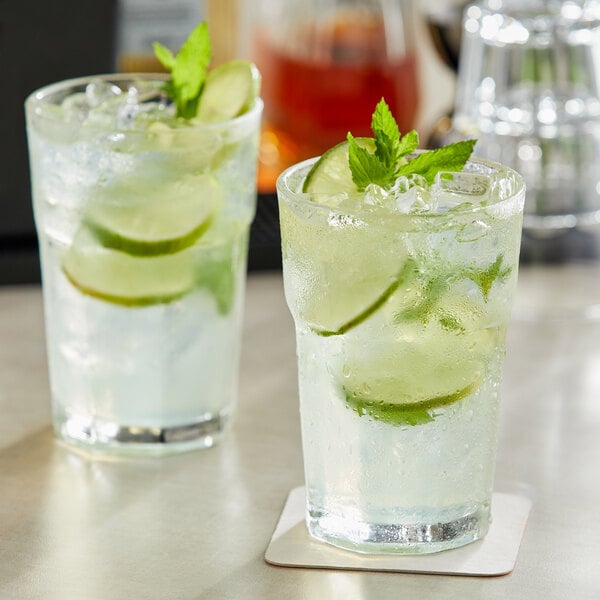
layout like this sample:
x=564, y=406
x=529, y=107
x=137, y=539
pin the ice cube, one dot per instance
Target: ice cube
x=454, y=188
x=76, y=107
x=401, y=185
x=99, y=91
x=417, y=180
x=472, y=231
x=424, y=201
x=375, y=195
x=142, y=105
x=410, y=194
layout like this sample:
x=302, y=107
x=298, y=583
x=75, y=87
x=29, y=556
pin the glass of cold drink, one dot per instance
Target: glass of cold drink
x=401, y=295
x=143, y=222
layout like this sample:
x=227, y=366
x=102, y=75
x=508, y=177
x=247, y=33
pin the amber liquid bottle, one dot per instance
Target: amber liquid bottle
x=324, y=68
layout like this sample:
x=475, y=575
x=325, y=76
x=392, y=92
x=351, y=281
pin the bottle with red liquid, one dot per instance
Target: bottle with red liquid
x=325, y=64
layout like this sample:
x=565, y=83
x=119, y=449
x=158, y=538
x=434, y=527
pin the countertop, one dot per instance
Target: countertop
x=196, y=526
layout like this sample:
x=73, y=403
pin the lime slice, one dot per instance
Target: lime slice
x=401, y=277
x=416, y=413
x=331, y=173
x=433, y=369
x=230, y=91
x=353, y=272
x=162, y=223
x=124, y=279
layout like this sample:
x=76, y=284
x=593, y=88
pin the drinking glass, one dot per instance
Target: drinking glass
x=400, y=327
x=528, y=90
x=143, y=227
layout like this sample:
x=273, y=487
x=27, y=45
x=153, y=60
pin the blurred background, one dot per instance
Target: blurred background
x=42, y=43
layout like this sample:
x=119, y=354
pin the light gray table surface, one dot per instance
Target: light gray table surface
x=196, y=526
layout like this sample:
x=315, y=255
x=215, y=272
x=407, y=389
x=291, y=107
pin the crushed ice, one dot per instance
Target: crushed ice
x=137, y=105
x=413, y=195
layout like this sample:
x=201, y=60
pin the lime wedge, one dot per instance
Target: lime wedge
x=404, y=387
x=162, y=223
x=124, y=279
x=230, y=91
x=409, y=413
x=371, y=308
x=353, y=273
x=331, y=173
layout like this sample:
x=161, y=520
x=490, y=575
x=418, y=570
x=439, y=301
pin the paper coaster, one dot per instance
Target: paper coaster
x=496, y=554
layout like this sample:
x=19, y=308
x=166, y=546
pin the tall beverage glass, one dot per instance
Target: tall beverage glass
x=142, y=222
x=401, y=312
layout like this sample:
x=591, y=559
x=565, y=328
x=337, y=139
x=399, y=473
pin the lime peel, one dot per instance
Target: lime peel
x=372, y=308
x=406, y=413
x=160, y=227
x=133, y=302
x=230, y=91
x=331, y=173
x=124, y=279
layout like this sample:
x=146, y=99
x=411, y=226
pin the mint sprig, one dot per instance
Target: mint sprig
x=389, y=161
x=188, y=70
x=448, y=158
x=380, y=167
x=485, y=278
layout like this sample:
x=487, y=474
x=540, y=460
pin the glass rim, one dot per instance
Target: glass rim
x=41, y=96
x=307, y=200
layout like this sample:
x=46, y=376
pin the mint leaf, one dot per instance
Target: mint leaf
x=424, y=309
x=365, y=167
x=485, y=278
x=448, y=158
x=164, y=55
x=451, y=323
x=408, y=143
x=387, y=137
x=379, y=167
x=217, y=276
x=389, y=162
x=188, y=70
x=383, y=122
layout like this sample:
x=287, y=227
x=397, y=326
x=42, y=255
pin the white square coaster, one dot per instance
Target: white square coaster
x=496, y=554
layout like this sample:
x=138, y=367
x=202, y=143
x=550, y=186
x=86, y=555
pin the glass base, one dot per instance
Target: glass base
x=423, y=538
x=105, y=437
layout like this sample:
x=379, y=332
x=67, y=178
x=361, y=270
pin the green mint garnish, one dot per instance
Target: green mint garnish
x=425, y=308
x=451, y=323
x=428, y=307
x=188, y=70
x=389, y=161
x=448, y=158
x=390, y=148
x=484, y=278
